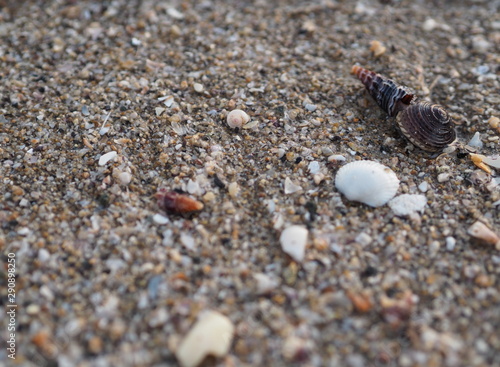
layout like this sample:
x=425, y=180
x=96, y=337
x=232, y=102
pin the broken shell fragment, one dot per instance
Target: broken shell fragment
x=211, y=335
x=407, y=204
x=237, y=118
x=293, y=241
x=174, y=203
x=368, y=182
x=480, y=231
x=426, y=125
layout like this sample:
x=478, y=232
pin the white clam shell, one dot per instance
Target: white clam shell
x=368, y=182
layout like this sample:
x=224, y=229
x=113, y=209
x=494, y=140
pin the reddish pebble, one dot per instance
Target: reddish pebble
x=175, y=203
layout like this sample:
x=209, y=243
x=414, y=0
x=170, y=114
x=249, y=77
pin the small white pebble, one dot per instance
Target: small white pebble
x=291, y=187
x=336, y=158
x=265, y=283
x=443, y=177
x=494, y=122
x=407, y=204
x=198, y=88
x=233, y=189
x=212, y=335
x=476, y=141
x=429, y=25
x=310, y=107
x=434, y=248
x=105, y=158
x=363, y=239
x=313, y=167
x=43, y=255
x=293, y=241
x=24, y=203
x=135, y=42
x=237, y=118
x=188, y=241
x=424, y=186
x=159, y=111
x=450, y=243
x=160, y=219
x=124, y=178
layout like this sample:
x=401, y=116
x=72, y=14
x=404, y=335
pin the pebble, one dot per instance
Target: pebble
x=160, y=219
x=407, y=204
x=310, y=107
x=476, y=141
x=429, y=25
x=450, y=243
x=494, y=122
x=233, y=189
x=293, y=241
x=265, y=283
x=480, y=231
x=198, y=88
x=313, y=167
x=443, y=177
x=363, y=239
x=211, y=335
x=336, y=158
x=424, y=186
x=105, y=158
x=291, y=187
x=124, y=178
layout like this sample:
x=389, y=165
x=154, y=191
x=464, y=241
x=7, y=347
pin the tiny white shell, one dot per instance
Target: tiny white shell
x=407, y=204
x=237, y=118
x=105, y=158
x=293, y=241
x=368, y=182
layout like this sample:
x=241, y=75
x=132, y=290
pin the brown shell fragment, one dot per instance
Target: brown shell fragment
x=174, y=203
x=427, y=125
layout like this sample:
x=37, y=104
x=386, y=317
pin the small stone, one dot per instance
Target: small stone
x=450, y=243
x=85, y=110
x=295, y=349
x=424, y=186
x=429, y=25
x=310, y=107
x=124, y=178
x=494, y=122
x=160, y=219
x=265, y=284
x=291, y=187
x=363, y=239
x=33, y=309
x=188, y=241
x=476, y=141
x=293, y=241
x=336, y=158
x=95, y=345
x=198, y=88
x=443, y=177
x=233, y=189
x=105, y=158
x=43, y=255
x=212, y=335
x=313, y=167
x=159, y=111
x=407, y=204
x=480, y=231
x=480, y=44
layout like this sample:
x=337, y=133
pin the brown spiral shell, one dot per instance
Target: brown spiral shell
x=426, y=125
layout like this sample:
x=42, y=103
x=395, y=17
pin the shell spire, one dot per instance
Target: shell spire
x=391, y=97
x=426, y=125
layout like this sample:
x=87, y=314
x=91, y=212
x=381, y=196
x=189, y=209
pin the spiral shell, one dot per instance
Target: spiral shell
x=389, y=96
x=426, y=125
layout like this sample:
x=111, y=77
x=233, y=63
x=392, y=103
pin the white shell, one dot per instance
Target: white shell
x=293, y=241
x=237, y=118
x=212, y=335
x=407, y=204
x=368, y=182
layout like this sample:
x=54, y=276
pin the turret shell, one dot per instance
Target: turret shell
x=368, y=182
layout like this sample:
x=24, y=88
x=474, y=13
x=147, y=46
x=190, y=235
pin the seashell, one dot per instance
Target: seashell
x=237, y=118
x=368, y=182
x=480, y=231
x=175, y=203
x=426, y=125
